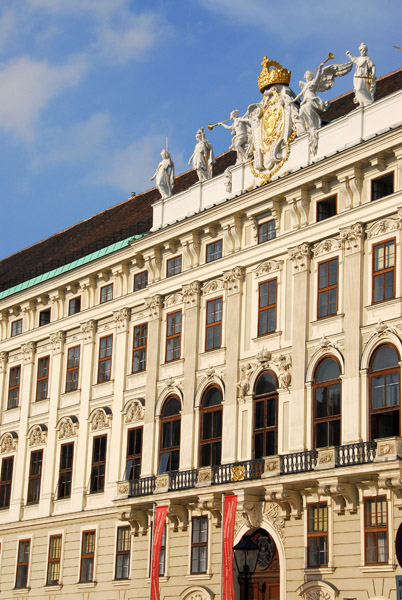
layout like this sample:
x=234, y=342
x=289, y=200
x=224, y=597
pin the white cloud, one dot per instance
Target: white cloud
x=27, y=86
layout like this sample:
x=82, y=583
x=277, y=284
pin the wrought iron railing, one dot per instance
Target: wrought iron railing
x=142, y=487
x=183, y=480
x=239, y=471
x=355, y=454
x=298, y=462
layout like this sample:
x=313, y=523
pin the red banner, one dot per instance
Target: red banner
x=159, y=524
x=229, y=516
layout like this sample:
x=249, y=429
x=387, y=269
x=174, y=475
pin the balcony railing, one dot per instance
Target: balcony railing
x=295, y=462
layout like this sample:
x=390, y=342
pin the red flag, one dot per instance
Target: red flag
x=229, y=516
x=159, y=524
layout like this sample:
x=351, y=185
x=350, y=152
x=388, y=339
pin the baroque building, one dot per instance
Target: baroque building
x=227, y=339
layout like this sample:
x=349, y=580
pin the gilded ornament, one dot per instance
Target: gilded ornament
x=238, y=473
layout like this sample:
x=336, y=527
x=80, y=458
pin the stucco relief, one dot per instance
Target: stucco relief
x=384, y=226
x=190, y=293
x=121, y=317
x=318, y=590
x=300, y=256
x=267, y=267
x=67, y=427
x=154, y=304
x=3, y=361
x=232, y=280
x=352, y=237
x=247, y=515
x=210, y=287
x=88, y=330
x=197, y=593
x=271, y=513
x=327, y=246
x=8, y=442
x=57, y=340
x=37, y=435
x=100, y=419
x=134, y=411
x=173, y=299
x=243, y=385
x=28, y=352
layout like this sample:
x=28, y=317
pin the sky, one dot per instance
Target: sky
x=91, y=89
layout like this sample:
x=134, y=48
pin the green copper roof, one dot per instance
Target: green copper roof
x=69, y=267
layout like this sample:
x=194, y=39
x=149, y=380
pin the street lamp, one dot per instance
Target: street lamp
x=246, y=555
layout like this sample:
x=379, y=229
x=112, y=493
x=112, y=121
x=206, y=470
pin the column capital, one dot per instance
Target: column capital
x=300, y=256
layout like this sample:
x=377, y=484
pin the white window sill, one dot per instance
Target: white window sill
x=377, y=568
x=82, y=585
x=121, y=583
x=264, y=336
x=21, y=591
x=319, y=570
x=198, y=576
x=53, y=588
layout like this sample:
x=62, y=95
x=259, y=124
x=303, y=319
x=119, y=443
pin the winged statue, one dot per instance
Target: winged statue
x=308, y=119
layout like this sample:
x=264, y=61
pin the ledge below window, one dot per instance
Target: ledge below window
x=53, y=588
x=121, y=583
x=319, y=570
x=21, y=591
x=82, y=585
x=264, y=336
x=198, y=576
x=377, y=568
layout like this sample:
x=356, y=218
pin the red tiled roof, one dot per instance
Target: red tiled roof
x=134, y=215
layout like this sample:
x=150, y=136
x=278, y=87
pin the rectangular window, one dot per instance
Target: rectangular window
x=6, y=481
x=21, y=580
x=214, y=251
x=98, y=464
x=105, y=358
x=44, y=317
x=123, y=553
x=328, y=288
x=199, y=544
x=317, y=535
x=65, y=470
x=16, y=327
x=266, y=231
x=53, y=565
x=42, y=382
x=87, y=556
x=73, y=365
x=140, y=281
x=267, y=307
x=384, y=271
x=74, y=306
x=173, y=266
x=173, y=336
x=134, y=450
x=375, y=530
x=213, y=334
x=14, y=387
x=326, y=208
x=382, y=186
x=35, y=474
x=140, y=347
x=106, y=293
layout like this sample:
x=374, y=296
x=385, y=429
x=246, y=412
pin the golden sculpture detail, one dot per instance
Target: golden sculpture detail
x=272, y=122
x=330, y=57
x=238, y=473
x=210, y=126
x=277, y=75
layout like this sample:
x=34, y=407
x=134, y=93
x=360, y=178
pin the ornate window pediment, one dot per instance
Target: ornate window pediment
x=318, y=590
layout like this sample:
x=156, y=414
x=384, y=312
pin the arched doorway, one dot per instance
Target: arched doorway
x=264, y=584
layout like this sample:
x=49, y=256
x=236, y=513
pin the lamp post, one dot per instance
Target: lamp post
x=246, y=555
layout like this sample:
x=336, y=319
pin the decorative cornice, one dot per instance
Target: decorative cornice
x=211, y=287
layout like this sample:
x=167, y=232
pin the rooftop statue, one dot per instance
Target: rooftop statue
x=203, y=156
x=363, y=77
x=240, y=129
x=308, y=119
x=164, y=175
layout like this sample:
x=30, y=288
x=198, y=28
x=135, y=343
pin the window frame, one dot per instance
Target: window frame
x=166, y=421
x=318, y=534
x=267, y=307
x=327, y=289
x=213, y=324
x=374, y=179
x=140, y=348
x=383, y=373
x=175, y=269
x=173, y=336
x=136, y=457
x=137, y=277
x=329, y=418
x=123, y=553
x=383, y=272
x=323, y=202
x=375, y=529
x=106, y=293
x=22, y=564
x=96, y=466
x=214, y=245
x=17, y=368
x=265, y=397
x=73, y=369
x=211, y=441
x=6, y=484
x=34, y=479
x=199, y=545
x=261, y=234
x=46, y=311
x=71, y=304
x=42, y=378
x=107, y=357
x=90, y=556
x=54, y=560
x=17, y=324
x=65, y=471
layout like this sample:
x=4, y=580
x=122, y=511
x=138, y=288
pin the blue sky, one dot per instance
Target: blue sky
x=90, y=89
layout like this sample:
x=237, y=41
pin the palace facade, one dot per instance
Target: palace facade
x=247, y=341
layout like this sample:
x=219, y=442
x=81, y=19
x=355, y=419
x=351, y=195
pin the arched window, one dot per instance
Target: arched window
x=211, y=428
x=265, y=432
x=327, y=404
x=169, y=451
x=384, y=393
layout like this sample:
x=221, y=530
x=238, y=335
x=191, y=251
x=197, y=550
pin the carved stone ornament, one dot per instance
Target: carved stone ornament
x=318, y=590
x=283, y=365
x=100, y=419
x=267, y=267
x=8, y=442
x=28, y=352
x=138, y=520
x=178, y=516
x=197, y=593
x=271, y=513
x=383, y=226
x=3, y=361
x=37, y=435
x=121, y=317
x=57, y=340
x=190, y=293
x=300, y=256
x=243, y=384
x=246, y=515
x=227, y=174
x=154, y=304
x=135, y=412
x=213, y=504
x=327, y=246
x=123, y=488
x=263, y=357
x=210, y=287
x=352, y=237
x=173, y=299
x=232, y=280
x=88, y=330
x=290, y=501
x=383, y=330
x=68, y=427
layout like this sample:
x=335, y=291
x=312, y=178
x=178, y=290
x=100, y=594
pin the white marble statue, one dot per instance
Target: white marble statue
x=203, y=156
x=240, y=129
x=308, y=120
x=164, y=175
x=363, y=77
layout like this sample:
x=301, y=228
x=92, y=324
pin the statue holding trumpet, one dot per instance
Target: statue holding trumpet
x=240, y=129
x=319, y=80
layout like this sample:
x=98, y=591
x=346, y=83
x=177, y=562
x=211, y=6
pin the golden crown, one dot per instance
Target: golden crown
x=277, y=75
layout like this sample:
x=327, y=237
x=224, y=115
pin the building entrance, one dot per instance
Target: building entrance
x=264, y=584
